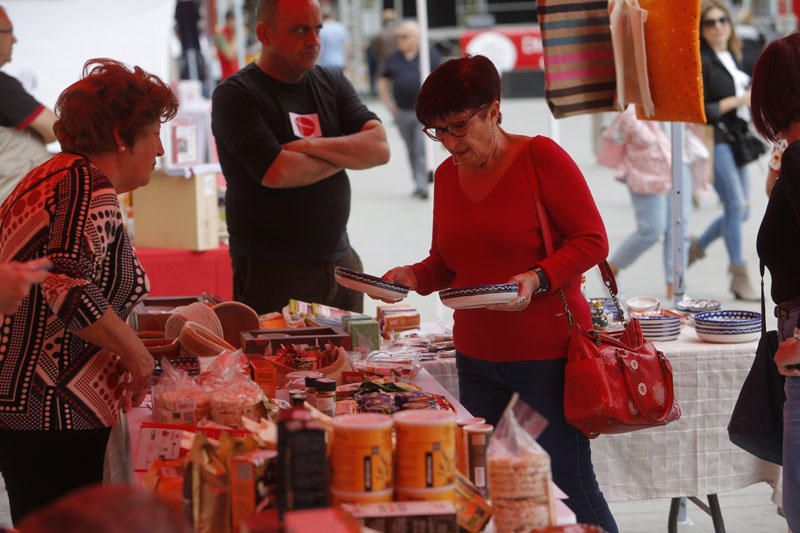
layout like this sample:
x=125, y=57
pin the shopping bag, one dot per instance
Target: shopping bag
x=611, y=148
x=578, y=58
x=672, y=40
x=630, y=55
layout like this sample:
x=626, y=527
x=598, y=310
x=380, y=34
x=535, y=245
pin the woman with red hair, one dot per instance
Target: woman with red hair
x=776, y=115
x=68, y=360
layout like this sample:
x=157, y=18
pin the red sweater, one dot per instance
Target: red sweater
x=499, y=237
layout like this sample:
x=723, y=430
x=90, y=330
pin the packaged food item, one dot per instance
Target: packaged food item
x=473, y=511
x=406, y=517
x=381, y=496
x=302, y=461
x=425, y=495
x=519, y=471
x=476, y=440
x=426, y=449
x=361, y=453
x=264, y=374
x=461, y=453
x=177, y=398
x=208, y=489
x=253, y=483
x=335, y=520
x=326, y=396
x=233, y=394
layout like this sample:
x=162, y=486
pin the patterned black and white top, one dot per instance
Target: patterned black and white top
x=51, y=379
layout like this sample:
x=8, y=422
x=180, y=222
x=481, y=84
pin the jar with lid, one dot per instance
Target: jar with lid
x=326, y=396
x=311, y=390
x=297, y=397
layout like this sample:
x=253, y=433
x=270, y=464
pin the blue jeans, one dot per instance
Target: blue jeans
x=733, y=188
x=791, y=433
x=654, y=220
x=485, y=390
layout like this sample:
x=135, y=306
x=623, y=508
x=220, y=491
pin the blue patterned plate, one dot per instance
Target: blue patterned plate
x=478, y=296
x=730, y=318
x=370, y=285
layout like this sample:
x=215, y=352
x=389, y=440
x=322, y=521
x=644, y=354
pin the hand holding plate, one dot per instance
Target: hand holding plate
x=528, y=283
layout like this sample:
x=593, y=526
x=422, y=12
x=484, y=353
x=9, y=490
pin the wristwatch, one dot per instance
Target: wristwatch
x=544, y=283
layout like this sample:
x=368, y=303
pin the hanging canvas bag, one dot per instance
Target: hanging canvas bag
x=578, y=59
x=630, y=55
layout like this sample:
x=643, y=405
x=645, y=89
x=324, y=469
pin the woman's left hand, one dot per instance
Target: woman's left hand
x=528, y=284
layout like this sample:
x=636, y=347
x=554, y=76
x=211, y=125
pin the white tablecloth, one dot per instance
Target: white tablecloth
x=690, y=457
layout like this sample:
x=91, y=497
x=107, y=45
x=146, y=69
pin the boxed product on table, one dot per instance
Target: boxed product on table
x=252, y=480
x=406, y=517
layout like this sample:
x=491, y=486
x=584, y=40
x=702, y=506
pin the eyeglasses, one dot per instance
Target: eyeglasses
x=403, y=36
x=456, y=129
x=711, y=23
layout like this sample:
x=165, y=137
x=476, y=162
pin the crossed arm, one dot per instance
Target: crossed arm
x=308, y=161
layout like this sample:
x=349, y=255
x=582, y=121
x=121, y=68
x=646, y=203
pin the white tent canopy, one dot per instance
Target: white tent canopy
x=55, y=38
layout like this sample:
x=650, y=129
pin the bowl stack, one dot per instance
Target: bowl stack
x=660, y=328
x=728, y=326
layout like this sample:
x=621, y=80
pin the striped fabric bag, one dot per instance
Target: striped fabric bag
x=578, y=58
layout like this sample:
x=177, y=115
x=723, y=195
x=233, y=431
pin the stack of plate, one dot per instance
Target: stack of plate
x=728, y=326
x=608, y=306
x=660, y=328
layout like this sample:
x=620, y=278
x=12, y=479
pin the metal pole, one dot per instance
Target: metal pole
x=241, y=38
x=678, y=244
x=425, y=66
x=555, y=129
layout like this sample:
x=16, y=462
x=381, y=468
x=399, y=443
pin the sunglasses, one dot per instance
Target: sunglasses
x=711, y=23
x=456, y=129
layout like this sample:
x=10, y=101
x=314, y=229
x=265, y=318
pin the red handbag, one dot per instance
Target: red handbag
x=610, y=385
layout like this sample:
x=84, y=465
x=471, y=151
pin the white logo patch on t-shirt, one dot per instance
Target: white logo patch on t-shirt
x=305, y=126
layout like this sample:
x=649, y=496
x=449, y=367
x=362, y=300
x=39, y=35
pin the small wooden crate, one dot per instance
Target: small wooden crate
x=258, y=341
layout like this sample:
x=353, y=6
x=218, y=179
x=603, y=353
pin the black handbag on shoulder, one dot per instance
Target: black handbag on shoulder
x=756, y=424
x=746, y=146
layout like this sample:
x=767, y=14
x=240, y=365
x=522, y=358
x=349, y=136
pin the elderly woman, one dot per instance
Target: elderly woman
x=727, y=104
x=776, y=115
x=486, y=230
x=68, y=360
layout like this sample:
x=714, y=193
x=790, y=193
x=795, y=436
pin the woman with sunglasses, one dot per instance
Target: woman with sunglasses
x=776, y=115
x=485, y=231
x=727, y=104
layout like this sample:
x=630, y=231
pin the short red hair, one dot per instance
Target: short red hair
x=775, y=93
x=110, y=96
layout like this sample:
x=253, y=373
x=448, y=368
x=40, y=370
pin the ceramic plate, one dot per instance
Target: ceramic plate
x=742, y=337
x=370, y=285
x=479, y=296
x=731, y=317
x=698, y=305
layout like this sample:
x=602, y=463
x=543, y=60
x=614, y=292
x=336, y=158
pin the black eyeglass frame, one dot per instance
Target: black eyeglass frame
x=724, y=20
x=430, y=131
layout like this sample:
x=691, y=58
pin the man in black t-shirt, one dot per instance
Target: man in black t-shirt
x=286, y=130
x=25, y=124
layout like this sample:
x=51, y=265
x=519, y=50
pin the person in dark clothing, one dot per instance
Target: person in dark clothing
x=286, y=130
x=776, y=115
x=398, y=87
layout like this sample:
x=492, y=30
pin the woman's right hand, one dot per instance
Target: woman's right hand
x=403, y=275
x=140, y=366
x=787, y=358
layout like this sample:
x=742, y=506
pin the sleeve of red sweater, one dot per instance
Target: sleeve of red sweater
x=573, y=214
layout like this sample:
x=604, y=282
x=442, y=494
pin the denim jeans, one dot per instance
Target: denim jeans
x=791, y=432
x=485, y=390
x=413, y=137
x=654, y=220
x=733, y=187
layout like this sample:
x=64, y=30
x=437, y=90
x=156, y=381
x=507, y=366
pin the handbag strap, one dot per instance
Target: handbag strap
x=763, y=302
x=605, y=269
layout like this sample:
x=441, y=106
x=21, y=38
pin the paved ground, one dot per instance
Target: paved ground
x=389, y=228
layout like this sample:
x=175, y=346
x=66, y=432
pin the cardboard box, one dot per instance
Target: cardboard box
x=406, y=517
x=177, y=212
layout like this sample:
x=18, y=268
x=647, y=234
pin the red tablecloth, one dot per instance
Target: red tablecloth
x=183, y=272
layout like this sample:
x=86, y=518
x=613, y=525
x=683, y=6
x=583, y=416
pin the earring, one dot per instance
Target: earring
x=121, y=148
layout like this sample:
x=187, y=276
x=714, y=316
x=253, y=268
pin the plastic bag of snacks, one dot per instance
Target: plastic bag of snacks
x=177, y=398
x=233, y=394
x=519, y=471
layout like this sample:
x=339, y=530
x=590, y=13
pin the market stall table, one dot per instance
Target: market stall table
x=184, y=272
x=690, y=457
x=122, y=447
